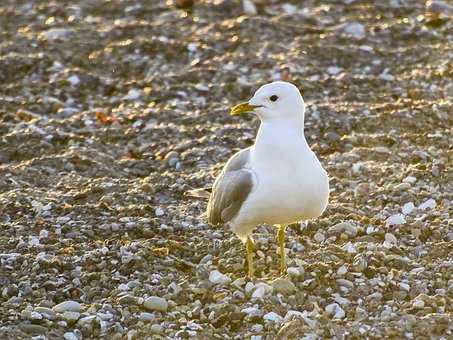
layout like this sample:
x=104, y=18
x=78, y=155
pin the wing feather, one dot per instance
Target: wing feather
x=231, y=189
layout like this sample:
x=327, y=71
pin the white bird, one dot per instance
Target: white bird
x=278, y=180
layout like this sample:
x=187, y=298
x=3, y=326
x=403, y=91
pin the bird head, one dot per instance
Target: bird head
x=274, y=101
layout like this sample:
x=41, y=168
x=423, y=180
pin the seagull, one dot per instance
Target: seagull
x=278, y=180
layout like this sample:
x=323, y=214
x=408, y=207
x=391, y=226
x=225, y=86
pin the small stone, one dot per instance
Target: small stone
x=402, y=187
x=284, y=286
x=408, y=208
x=343, y=227
x=252, y=311
x=335, y=310
x=390, y=239
x=259, y=293
x=404, y=286
x=74, y=80
x=396, y=219
x=70, y=336
x=418, y=304
x=68, y=306
x=319, y=237
x=295, y=271
x=429, y=204
x=410, y=179
x=46, y=312
x=273, y=317
x=56, y=34
x=71, y=317
x=257, y=328
x=342, y=270
x=159, y=212
x=145, y=316
x=354, y=30
x=334, y=70
x=133, y=94
x=156, y=329
x=156, y=303
x=217, y=277
x=249, y=287
x=249, y=7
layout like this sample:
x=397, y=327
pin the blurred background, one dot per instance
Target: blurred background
x=111, y=110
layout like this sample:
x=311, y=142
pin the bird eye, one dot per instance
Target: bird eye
x=273, y=98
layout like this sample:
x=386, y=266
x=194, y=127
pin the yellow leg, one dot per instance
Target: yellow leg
x=281, y=243
x=249, y=246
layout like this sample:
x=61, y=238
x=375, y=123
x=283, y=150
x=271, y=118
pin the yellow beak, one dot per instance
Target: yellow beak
x=242, y=108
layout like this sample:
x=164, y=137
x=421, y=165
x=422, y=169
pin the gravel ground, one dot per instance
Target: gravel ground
x=111, y=110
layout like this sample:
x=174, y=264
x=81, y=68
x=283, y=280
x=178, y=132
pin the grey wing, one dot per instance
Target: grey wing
x=230, y=189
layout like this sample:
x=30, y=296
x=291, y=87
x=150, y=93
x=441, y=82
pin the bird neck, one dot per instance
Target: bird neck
x=285, y=133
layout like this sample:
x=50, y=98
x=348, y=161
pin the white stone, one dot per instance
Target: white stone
x=396, y=219
x=429, y=204
x=74, y=80
x=156, y=303
x=404, y=286
x=408, y=208
x=159, y=212
x=335, y=310
x=289, y=8
x=259, y=293
x=334, y=70
x=419, y=304
x=217, y=278
x=256, y=328
x=273, y=317
x=342, y=270
x=252, y=311
x=249, y=287
x=293, y=314
x=319, y=237
x=390, y=238
x=295, y=271
x=249, y=7
x=132, y=94
x=410, y=179
x=355, y=30
x=350, y=248
x=68, y=306
x=70, y=336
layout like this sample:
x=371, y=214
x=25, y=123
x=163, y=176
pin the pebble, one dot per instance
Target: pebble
x=256, y=328
x=396, y=219
x=429, y=204
x=343, y=227
x=70, y=336
x=408, y=208
x=159, y=212
x=156, y=329
x=419, y=304
x=70, y=316
x=56, y=33
x=355, y=30
x=252, y=311
x=273, y=317
x=68, y=306
x=74, y=80
x=410, y=179
x=284, y=286
x=217, y=278
x=249, y=7
x=145, y=316
x=335, y=310
x=402, y=186
x=156, y=303
x=295, y=271
x=46, y=312
x=319, y=237
x=390, y=239
x=334, y=70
